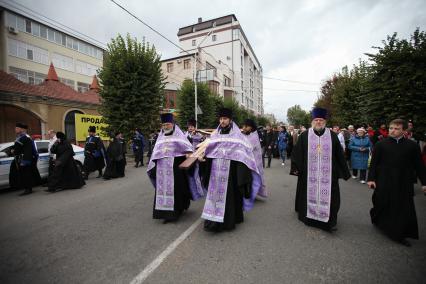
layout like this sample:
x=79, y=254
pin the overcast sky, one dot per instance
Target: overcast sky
x=294, y=40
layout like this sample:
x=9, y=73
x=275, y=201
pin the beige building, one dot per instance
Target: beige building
x=28, y=46
x=209, y=70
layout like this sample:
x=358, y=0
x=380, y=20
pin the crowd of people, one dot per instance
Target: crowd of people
x=227, y=165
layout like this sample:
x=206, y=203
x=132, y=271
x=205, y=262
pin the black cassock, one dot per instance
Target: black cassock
x=93, y=154
x=116, y=159
x=239, y=186
x=182, y=195
x=394, y=167
x=20, y=176
x=65, y=173
x=299, y=167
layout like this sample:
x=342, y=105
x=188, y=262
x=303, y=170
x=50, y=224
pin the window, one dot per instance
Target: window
x=28, y=26
x=29, y=54
x=58, y=37
x=27, y=51
x=170, y=67
x=187, y=64
x=63, y=62
x=194, y=42
x=235, y=34
x=50, y=35
x=85, y=68
x=82, y=87
x=227, y=81
x=11, y=20
x=27, y=76
x=35, y=29
x=68, y=82
x=42, y=146
x=21, y=24
x=43, y=32
x=214, y=37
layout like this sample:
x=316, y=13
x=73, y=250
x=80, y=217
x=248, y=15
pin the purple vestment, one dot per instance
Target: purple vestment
x=257, y=152
x=165, y=150
x=319, y=175
x=222, y=149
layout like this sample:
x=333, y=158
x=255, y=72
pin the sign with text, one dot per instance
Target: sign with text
x=82, y=123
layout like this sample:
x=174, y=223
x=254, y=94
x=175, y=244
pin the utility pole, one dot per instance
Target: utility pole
x=195, y=77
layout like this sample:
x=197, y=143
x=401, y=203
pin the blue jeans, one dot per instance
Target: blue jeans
x=283, y=154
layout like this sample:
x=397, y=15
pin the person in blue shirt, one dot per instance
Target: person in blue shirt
x=138, y=146
x=360, y=150
x=282, y=142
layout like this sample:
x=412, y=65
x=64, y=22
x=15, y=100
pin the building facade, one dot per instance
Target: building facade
x=209, y=70
x=228, y=44
x=28, y=46
x=49, y=105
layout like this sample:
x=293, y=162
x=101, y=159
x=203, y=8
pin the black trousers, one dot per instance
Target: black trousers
x=268, y=153
x=362, y=174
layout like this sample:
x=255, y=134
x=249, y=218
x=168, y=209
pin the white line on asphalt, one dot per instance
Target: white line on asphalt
x=141, y=277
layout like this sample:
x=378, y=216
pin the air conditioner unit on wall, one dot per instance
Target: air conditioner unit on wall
x=12, y=30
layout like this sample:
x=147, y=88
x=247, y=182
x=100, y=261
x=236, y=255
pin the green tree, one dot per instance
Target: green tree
x=132, y=86
x=186, y=103
x=398, y=84
x=297, y=116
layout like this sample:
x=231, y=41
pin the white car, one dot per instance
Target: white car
x=43, y=161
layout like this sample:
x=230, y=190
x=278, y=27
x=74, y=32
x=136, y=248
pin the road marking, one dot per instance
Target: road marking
x=141, y=277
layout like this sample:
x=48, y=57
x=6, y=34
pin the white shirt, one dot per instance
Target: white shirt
x=342, y=140
x=51, y=142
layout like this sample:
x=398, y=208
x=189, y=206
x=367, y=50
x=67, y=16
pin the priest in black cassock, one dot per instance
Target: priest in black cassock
x=227, y=173
x=65, y=174
x=318, y=162
x=116, y=157
x=395, y=165
x=94, y=154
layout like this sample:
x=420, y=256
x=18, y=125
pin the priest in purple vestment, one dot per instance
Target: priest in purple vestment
x=174, y=188
x=193, y=137
x=227, y=173
x=318, y=162
x=250, y=130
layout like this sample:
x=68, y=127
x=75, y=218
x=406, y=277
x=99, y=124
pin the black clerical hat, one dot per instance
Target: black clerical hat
x=319, y=113
x=250, y=122
x=166, y=117
x=21, y=125
x=225, y=112
x=92, y=129
x=61, y=135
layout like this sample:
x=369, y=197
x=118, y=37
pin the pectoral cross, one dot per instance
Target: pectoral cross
x=319, y=148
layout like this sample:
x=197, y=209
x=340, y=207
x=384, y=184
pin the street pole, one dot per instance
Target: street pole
x=195, y=78
x=195, y=88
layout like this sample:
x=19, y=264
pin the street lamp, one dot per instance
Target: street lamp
x=195, y=77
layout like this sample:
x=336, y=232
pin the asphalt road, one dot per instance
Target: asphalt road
x=104, y=233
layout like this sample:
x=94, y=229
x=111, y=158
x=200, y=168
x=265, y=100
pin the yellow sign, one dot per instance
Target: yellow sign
x=82, y=123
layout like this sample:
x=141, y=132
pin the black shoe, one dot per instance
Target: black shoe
x=136, y=166
x=26, y=192
x=50, y=190
x=405, y=242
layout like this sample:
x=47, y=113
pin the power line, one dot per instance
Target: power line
x=40, y=16
x=291, y=81
x=151, y=28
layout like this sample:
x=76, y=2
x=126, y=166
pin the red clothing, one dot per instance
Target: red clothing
x=383, y=132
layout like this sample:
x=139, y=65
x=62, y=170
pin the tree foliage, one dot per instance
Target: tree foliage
x=297, y=116
x=391, y=84
x=132, y=86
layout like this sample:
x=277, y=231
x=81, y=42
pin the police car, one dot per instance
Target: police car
x=43, y=161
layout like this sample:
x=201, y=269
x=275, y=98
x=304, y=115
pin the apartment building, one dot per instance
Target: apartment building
x=209, y=70
x=224, y=39
x=28, y=45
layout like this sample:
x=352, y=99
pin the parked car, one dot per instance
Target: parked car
x=6, y=158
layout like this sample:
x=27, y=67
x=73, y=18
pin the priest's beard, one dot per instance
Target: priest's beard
x=168, y=131
x=318, y=128
x=225, y=129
